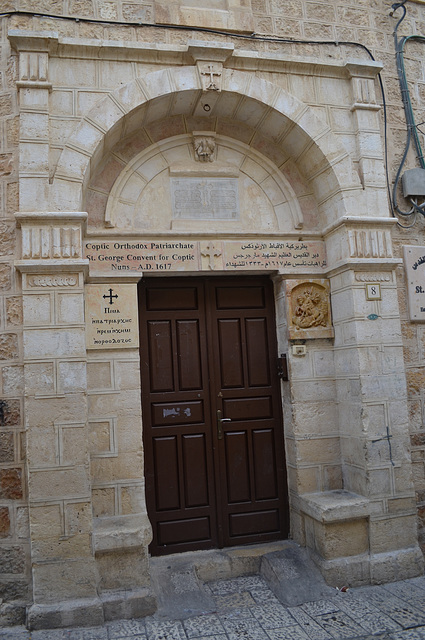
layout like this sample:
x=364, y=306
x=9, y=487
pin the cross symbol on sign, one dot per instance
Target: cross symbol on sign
x=110, y=296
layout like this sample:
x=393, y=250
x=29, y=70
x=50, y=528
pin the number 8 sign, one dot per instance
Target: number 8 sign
x=373, y=292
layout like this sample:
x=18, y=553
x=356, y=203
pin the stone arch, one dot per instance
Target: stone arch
x=251, y=102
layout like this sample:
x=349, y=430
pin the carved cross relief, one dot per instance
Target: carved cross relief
x=211, y=75
x=210, y=251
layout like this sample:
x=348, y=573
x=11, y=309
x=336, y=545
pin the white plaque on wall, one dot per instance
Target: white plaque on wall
x=111, y=316
x=414, y=264
x=205, y=198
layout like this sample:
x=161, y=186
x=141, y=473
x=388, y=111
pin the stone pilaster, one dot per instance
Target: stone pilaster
x=59, y=482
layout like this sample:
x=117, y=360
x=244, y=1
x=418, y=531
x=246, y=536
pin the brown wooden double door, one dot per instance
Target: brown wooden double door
x=213, y=436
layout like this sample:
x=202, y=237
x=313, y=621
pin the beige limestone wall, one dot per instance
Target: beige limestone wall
x=77, y=86
x=14, y=542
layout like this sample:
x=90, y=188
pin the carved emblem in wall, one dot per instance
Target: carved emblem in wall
x=309, y=312
x=204, y=146
x=63, y=280
x=211, y=75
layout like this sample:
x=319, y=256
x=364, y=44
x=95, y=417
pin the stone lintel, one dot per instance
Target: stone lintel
x=52, y=266
x=57, y=45
x=359, y=221
x=334, y=506
x=50, y=217
x=210, y=51
x=387, y=264
x=363, y=69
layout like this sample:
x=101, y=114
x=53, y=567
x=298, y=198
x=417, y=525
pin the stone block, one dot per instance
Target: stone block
x=135, y=603
x=22, y=529
x=79, y=611
x=122, y=570
x=54, y=343
x=5, y=277
x=72, y=377
x=9, y=346
x=393, y=533
x=37, y=309
x=4, y=522
x=69, y=308
x=10, y=413
x=337, y=539
x=12, y=380
x=12, y=614
x=64, y=581
x=11, y=484
x=60, y=483
x=104, y=502
x=7, y=238
x=12, y=560
x=40, y=378
x=7, y=446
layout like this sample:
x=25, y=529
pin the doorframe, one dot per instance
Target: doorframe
x=280, y=336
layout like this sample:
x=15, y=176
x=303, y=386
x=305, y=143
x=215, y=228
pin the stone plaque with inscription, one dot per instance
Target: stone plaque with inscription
x=414, y=264
x=275, y=254
x=205, y=198
x=132, y=257
x=111, y=316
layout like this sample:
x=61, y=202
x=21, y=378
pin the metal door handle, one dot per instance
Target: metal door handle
x=220, y=421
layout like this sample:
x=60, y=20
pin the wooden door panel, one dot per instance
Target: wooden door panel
x=189, y=361
x=166, y=473
x=248, y=408
x=254, y=524
x=265, y=473
x=180, y=534
x=195, y=470
x=230, y=347
x=237, y=467
x=258, y=363
x=177, y=413
x=171, y=298
x=239, y=297
x=161, y=356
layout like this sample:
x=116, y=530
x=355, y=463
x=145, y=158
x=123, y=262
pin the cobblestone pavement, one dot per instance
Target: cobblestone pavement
x=247, y=609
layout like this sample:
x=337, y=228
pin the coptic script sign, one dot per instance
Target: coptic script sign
x=111, y=316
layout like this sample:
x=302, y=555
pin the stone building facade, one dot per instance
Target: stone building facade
x=156, y=155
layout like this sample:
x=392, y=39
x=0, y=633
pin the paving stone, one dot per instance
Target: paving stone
x=339, y=625
x=165, y=630
x=18, y=633
x=231, y=601
x=288, y=633
x=320, y=607
x=264, y=596
x=368, y=616
x=49, y=634
x=123, y=628
x=219, y=637
x=203, y=626
x=272, y=616
x=312, y=628
x=249, y=629
x=95, y=633
x=244, y=583
x=409, y=634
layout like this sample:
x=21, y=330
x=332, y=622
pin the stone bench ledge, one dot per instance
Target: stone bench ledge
x=334, y=506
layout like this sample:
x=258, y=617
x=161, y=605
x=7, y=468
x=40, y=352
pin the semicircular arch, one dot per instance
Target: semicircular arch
x=251, y=103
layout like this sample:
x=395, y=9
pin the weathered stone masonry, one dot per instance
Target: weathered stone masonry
x=96, y=121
